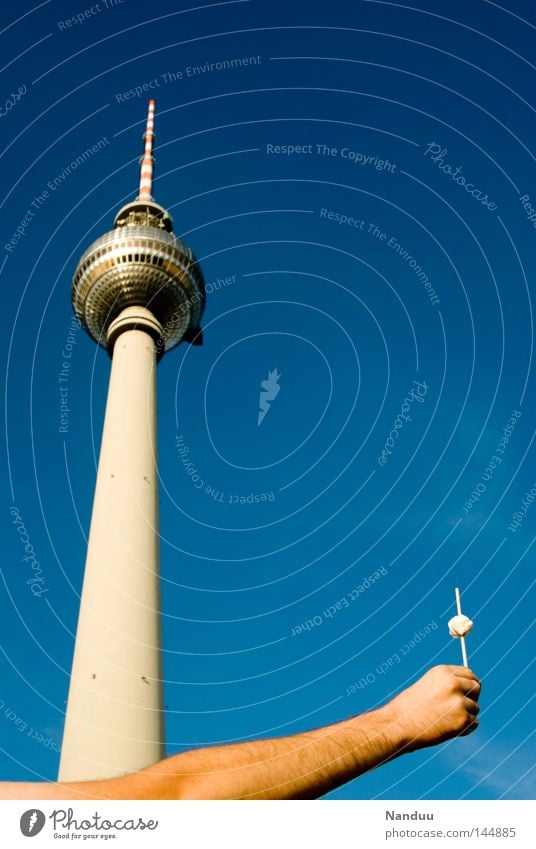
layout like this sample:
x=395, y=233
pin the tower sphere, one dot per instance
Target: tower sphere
x=140, y=263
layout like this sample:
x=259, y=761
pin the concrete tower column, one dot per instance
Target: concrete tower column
x=114, y=721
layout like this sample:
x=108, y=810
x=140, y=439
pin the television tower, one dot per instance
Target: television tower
x=138, y=291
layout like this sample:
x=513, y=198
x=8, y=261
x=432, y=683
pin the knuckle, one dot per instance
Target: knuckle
x=460, y=717
x=460, y=724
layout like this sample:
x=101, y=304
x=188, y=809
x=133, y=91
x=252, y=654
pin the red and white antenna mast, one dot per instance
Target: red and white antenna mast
x=147, y=162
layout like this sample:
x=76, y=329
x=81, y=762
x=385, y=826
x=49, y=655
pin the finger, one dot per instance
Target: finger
x=472, y=726
x=463, y=672
x=450, y=667
x=471, y=706
x=470, y=687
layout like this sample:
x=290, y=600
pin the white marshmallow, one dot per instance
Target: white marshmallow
x=459, y=626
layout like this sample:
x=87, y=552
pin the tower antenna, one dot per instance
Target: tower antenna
x=147, y=161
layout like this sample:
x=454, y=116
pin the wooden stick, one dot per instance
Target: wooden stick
x=462, y=639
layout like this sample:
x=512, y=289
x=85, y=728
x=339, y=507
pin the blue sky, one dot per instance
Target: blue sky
x=386, y=267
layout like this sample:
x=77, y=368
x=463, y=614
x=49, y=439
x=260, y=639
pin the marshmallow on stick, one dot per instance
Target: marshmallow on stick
x=459, y=626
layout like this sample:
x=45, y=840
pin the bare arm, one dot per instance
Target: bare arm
x=442, y=704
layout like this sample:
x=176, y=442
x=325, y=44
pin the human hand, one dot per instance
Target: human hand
x=440, y=705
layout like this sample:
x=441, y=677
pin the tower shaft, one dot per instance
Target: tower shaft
x=114, y=720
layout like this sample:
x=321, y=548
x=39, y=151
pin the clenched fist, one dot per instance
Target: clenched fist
x=442, y=704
